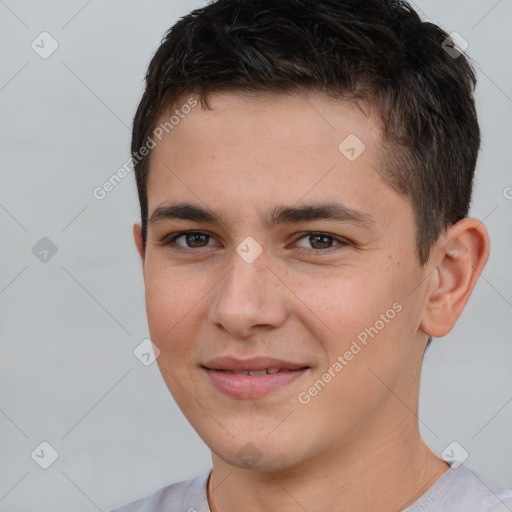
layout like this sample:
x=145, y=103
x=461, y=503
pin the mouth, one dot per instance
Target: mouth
x=265, y=371
x=252, y=378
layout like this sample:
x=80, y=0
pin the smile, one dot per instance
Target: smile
x=257, y=372
x=250, y=385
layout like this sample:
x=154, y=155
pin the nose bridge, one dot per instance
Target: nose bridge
x=249, y=293
x=247, y=282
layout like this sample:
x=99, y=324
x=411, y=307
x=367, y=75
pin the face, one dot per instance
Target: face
x=289, y=252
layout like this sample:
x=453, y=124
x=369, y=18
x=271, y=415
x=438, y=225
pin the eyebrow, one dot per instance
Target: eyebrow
x=280, y=215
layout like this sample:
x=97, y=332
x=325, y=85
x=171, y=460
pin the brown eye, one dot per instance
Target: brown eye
x=190, y=240
x=324, y=242
x=195, y=239
x=321, y=242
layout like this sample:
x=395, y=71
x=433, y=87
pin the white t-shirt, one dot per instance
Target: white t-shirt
x=458, y=490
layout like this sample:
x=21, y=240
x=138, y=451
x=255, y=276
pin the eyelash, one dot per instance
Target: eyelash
x=169, y=241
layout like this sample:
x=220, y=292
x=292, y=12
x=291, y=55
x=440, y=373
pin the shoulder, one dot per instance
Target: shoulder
x=185, y=496
x=462, y=490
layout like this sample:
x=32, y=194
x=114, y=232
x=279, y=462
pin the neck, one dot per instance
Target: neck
x=393, y=471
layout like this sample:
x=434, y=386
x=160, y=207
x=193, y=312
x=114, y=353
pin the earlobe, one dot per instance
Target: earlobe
x=464, y=252
x=137, y=236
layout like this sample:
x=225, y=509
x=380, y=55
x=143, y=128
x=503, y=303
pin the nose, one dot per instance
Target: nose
x=250, y=296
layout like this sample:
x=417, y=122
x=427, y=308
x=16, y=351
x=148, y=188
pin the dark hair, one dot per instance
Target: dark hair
x=378, y=51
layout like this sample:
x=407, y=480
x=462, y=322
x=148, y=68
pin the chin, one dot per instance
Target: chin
x=257, y=454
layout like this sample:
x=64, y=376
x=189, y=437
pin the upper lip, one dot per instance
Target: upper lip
x=253, y=364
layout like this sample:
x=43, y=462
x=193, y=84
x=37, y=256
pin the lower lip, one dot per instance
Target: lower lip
x=252, y=386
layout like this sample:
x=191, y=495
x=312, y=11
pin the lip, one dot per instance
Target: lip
x=253, y=364
x=252, y=386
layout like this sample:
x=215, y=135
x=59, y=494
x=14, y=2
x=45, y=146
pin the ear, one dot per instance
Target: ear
x=461, y=254
x=137, y=236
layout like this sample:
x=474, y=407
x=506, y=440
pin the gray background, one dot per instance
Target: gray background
x=69, y=325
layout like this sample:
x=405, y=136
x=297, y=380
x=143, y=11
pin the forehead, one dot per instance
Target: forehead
x=270, y=118
x=268, y=148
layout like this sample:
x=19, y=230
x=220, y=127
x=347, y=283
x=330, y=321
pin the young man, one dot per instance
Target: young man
x=304, y=169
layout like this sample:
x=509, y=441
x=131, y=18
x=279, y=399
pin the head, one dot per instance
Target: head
x=382, y=54
x=266, y=117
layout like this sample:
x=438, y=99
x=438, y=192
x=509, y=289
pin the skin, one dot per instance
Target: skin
x=356, y=443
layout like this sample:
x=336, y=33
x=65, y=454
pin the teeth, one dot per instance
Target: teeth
x=257, y=372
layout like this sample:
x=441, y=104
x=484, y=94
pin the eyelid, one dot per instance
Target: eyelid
x=322, y=233
x=341, y=242
x=172, y=237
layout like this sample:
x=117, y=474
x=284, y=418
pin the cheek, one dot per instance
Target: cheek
x=348, y=301
x=173, y=301
x=369, y=328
